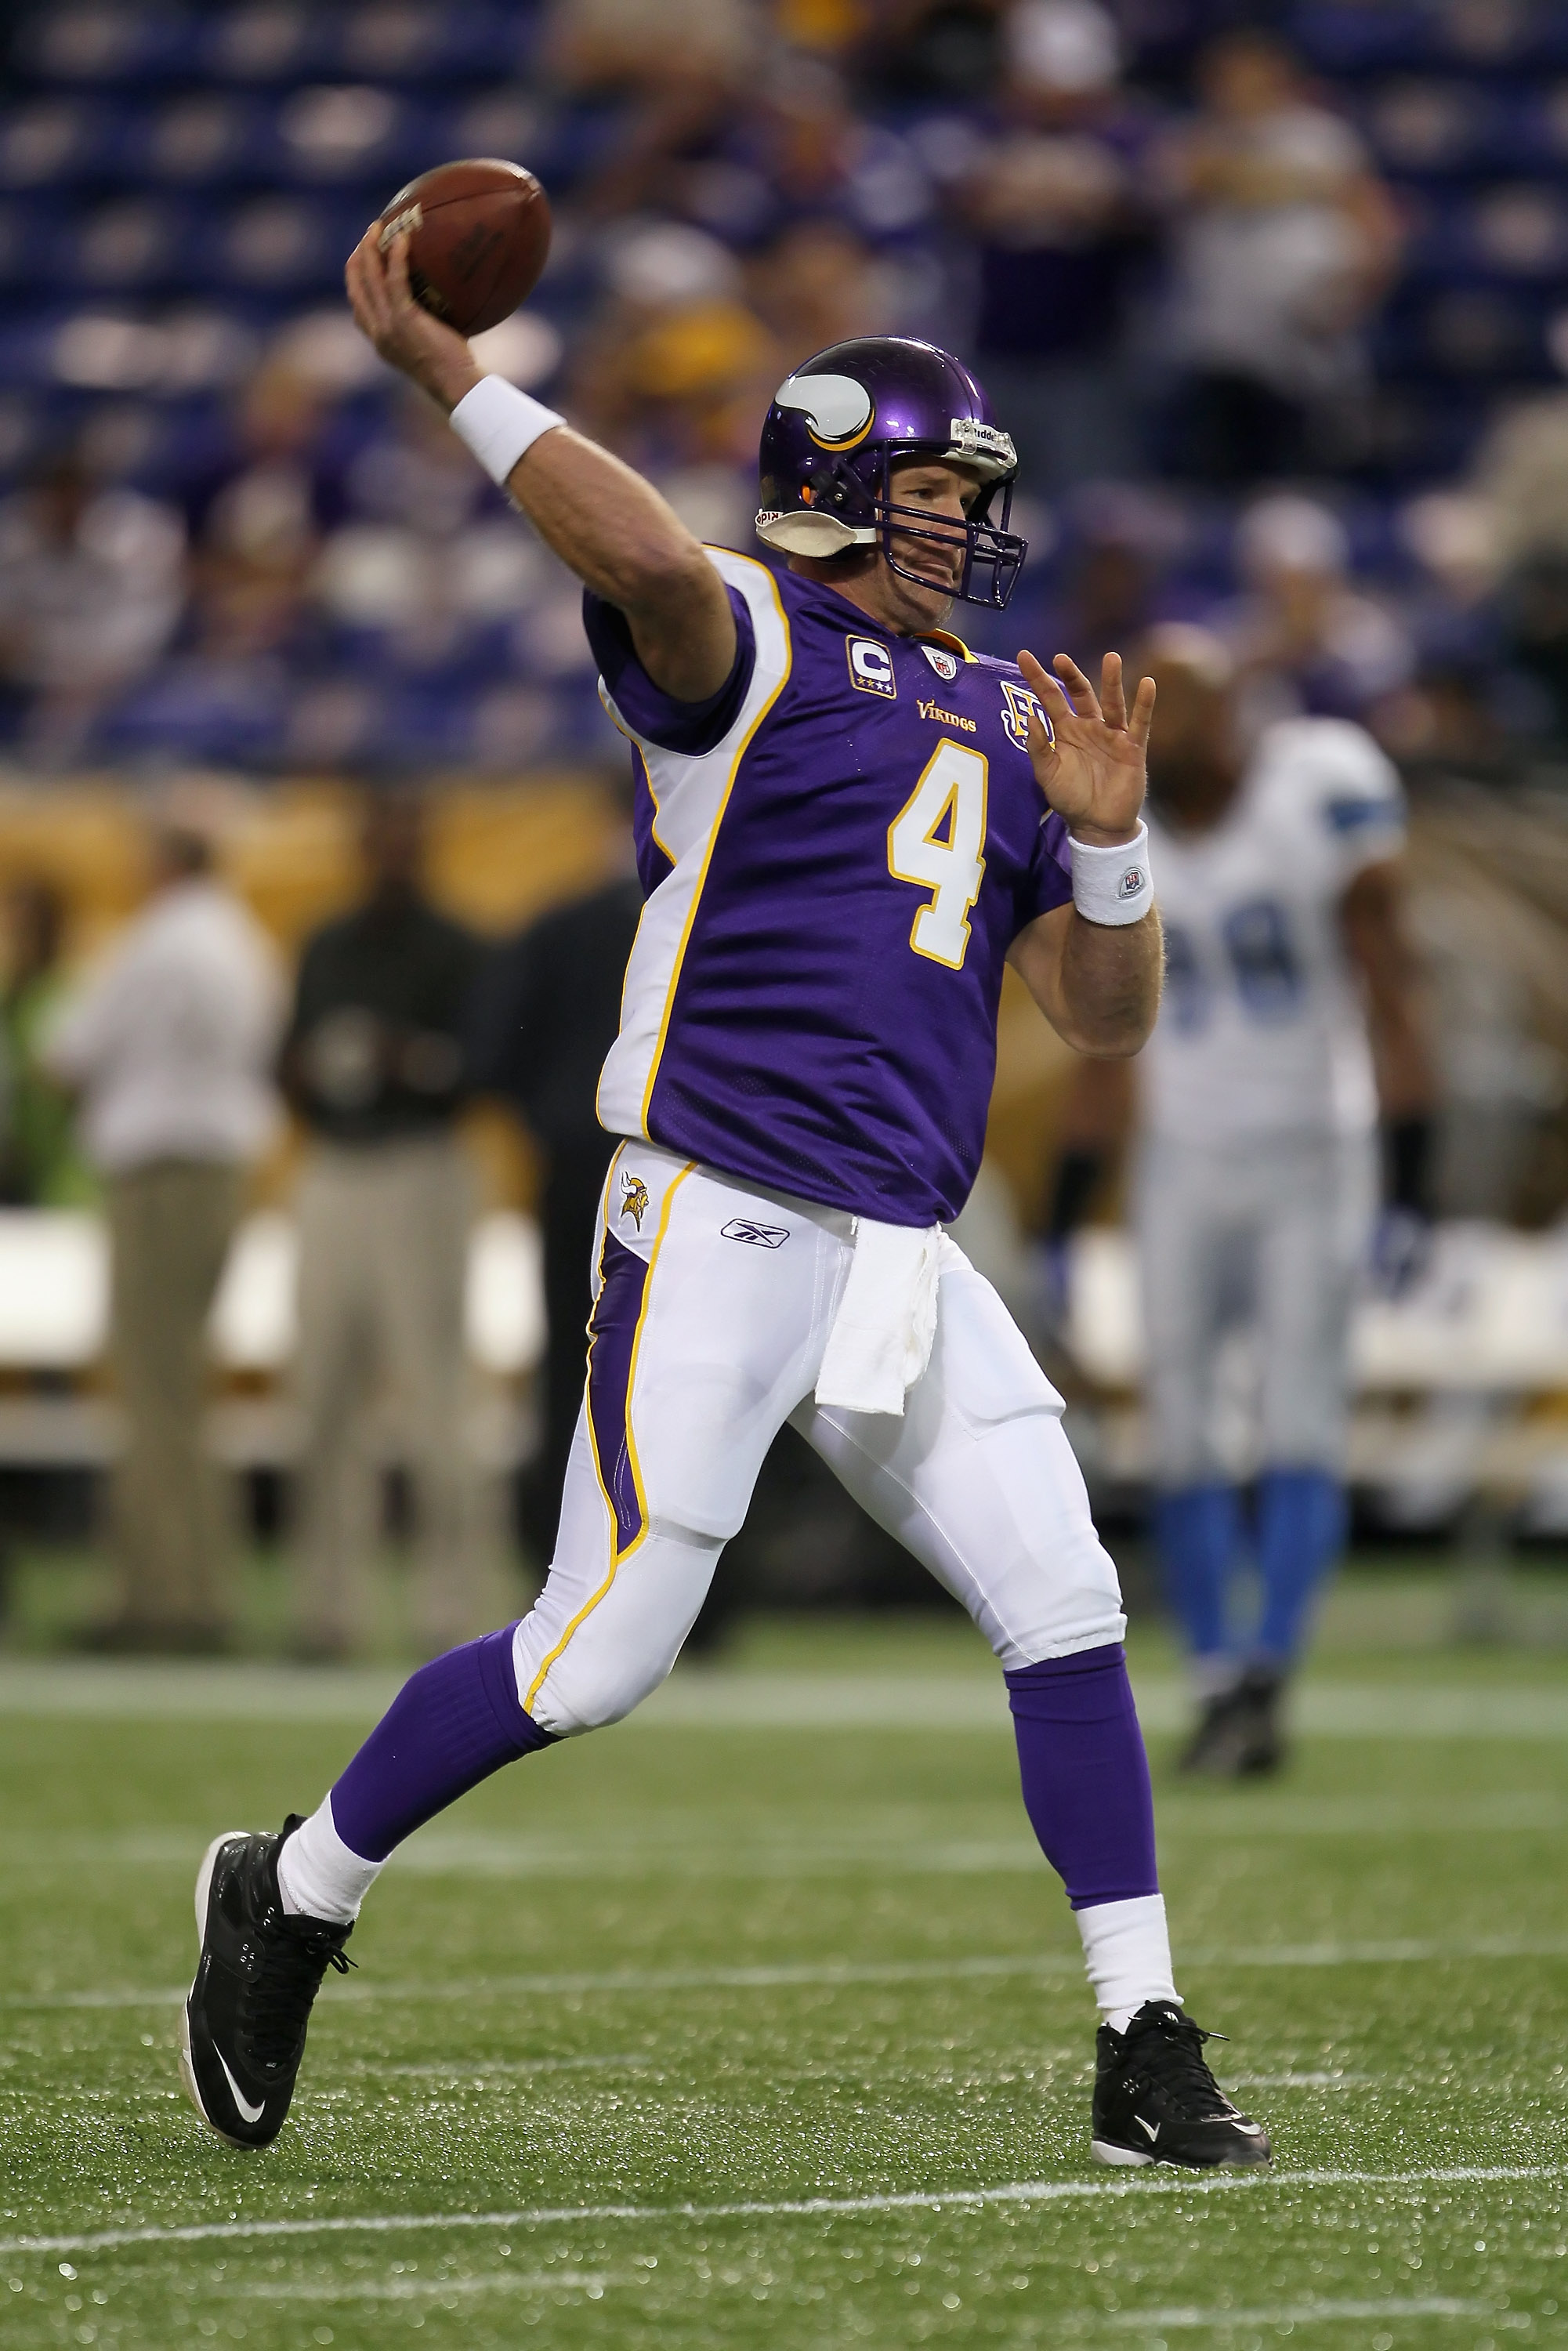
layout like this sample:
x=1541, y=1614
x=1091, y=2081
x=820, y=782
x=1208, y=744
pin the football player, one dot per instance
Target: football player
x=846, y=825
x=1288, y=1018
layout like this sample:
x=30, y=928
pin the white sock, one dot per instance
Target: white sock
x=318, y=1877
x=1127, y=1951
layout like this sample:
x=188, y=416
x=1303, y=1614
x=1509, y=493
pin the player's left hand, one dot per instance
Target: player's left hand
x=1094, y=774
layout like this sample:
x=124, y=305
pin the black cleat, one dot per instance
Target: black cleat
x=1155, y=2100
x=1237, y=1735
x=243, y=2034
x=1260, y=1741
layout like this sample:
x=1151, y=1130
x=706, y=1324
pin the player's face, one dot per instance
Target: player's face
x=942, y=495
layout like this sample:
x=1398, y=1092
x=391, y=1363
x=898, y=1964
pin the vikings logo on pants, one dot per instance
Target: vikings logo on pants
x=633, y=1199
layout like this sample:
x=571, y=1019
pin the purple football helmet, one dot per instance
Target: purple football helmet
x=834, y=433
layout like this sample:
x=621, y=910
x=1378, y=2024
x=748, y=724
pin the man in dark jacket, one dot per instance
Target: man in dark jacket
x=374, y=1063
x=545, y=1015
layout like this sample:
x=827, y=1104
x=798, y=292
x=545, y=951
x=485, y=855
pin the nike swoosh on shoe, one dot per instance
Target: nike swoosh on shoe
x=251, y=2114
x=1153, y=2128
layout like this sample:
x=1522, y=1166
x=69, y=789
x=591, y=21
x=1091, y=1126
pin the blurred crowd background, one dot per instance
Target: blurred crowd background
x=1275, y=303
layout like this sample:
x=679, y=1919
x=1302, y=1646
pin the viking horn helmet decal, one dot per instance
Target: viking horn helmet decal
x=836, y=408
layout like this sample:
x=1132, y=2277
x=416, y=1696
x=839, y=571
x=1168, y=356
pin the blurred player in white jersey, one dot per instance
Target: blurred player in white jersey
x=1288, y=1020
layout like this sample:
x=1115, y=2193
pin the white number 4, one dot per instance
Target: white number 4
x=935, y=841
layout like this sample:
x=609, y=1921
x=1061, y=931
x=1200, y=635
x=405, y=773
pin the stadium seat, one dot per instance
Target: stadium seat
x=200, y=139
x=132, y=244
x=45, y=141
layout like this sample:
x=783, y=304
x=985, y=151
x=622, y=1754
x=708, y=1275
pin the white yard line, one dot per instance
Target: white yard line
x=935, y=2200
x=1307, y=2313
x=1394, y=1953
x=727, y=1700
x=892, y=1847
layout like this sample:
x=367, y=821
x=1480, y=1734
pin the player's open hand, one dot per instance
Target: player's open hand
x=405, y=334
x=1094, y=774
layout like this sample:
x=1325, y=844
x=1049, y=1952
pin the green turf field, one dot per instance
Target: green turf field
x=717, y=2031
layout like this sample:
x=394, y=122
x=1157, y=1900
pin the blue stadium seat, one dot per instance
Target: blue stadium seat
x=512, y=122
x=103, y=42
x=276, y=243
x=1520, y=230
x=130, y=244
x=1351, y=40
x=47, y=141
x=420, y=41
x=1432, y=126
x=328, y=134
x=199, y=139
x=1540, y=127
x=1481, y=331
x=265, y=42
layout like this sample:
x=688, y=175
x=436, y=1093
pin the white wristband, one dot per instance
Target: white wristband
x=1112, y=886
x=499, y=424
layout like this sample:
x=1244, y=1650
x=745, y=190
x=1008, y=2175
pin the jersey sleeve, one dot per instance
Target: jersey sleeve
x=690, y=728
x=1048, y=880
x=1358, y=801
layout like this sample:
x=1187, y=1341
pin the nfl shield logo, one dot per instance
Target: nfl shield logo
x=944, y=663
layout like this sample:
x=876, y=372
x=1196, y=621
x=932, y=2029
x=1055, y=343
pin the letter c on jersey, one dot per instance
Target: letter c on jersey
x=870, y=666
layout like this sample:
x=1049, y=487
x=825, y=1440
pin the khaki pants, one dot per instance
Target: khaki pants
x=383, y=1232
x=169, y=1227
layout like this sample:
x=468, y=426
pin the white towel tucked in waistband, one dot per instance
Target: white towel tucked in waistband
x=883, y=1332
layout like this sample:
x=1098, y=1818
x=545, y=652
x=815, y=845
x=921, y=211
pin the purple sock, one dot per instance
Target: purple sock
x=1086, y=1774
x=454, y=1722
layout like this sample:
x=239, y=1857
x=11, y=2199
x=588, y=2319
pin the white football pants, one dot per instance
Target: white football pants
x=713, y=1301
x=1270, y=1233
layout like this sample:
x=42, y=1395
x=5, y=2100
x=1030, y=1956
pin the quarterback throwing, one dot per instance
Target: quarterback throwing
x=847, y=825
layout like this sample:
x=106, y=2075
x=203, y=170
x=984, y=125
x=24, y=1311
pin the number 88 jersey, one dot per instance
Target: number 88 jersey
x=837, y=852
x=1262, y=1028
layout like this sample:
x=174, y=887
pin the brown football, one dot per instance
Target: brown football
x=478, y=238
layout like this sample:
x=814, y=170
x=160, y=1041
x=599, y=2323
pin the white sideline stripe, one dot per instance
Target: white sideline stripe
x=890, y=1850
x=740, y=1701
x=1045, y=1963
x=1305, y=2313
x=934, y=2199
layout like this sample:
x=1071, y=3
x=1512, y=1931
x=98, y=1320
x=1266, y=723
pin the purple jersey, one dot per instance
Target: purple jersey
x=838, y=850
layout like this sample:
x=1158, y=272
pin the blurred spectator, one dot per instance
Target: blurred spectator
x=683, y=66
x=673, y=369
x=39, y=1163
x=168, y=1043
x=819, y=283
x=946, y=49
x=1056, y=202
x=599, y=44
x=544, y=1016
x=1523, y=473
x=261, y=502
x=1121, y=542
x=1284, y=242
x=1306, y=642
x=91, y=584
x=796, y=148
x=374, y=1064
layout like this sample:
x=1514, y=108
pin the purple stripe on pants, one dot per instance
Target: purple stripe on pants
x=612, y=1337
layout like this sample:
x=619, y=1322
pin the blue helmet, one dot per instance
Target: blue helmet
x=835, y=430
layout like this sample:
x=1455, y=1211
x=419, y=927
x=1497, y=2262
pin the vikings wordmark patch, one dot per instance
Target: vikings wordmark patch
x=870, y=666
x=633, y=1199
x=1017, y=702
